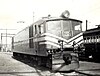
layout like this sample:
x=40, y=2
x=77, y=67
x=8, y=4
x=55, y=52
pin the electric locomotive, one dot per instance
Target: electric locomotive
x=51, y=42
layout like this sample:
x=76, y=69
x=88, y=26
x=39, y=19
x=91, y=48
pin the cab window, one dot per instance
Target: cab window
x=41, y=28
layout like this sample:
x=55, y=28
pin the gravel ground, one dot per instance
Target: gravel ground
x=13, y=67
x=89, y=68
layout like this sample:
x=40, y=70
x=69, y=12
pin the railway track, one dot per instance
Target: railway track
x=23, y=67
x=39, y=74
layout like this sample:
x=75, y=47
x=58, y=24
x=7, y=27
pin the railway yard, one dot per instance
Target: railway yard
x=40, y=39
x=10, y=66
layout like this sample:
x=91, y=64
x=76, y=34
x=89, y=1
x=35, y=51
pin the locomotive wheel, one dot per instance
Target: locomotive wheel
x=14, y=54
x=49, y=62
x=38, y=61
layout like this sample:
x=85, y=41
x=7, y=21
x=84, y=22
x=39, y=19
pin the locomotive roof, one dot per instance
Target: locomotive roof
x=60, y=18
x=55, y=18
x=50, y=19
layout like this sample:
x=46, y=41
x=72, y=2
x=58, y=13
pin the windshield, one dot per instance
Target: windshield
x=54, y=27
x=64, y=28
x=76, y=27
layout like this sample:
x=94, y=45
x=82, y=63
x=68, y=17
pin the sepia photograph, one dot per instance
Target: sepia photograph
x=49, y=38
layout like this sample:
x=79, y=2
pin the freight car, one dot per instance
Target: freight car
x=92, y=43
x=50, y=41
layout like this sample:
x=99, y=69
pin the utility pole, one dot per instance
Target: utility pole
x=86, y=25
x=1, y=38
x=6, y=35
x=6, y=38
x=33, y=16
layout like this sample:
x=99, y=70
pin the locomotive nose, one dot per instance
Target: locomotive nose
x=67, y=58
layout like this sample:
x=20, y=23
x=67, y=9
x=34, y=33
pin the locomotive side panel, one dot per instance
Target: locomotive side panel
x=21, y=43
x=20, y=39
x=38, y=31
x=27, y=41
x=42, y=51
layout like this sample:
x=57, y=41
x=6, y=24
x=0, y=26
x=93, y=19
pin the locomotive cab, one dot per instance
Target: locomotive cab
x=63, y=32
x=64, y=27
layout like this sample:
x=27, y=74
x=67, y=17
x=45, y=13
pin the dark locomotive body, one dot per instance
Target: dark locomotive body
x=49, y=41
x=92, y=43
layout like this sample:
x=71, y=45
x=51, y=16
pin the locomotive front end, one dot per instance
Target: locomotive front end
x=60, y=36
x=65, y=60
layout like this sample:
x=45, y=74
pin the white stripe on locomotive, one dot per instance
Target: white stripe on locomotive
x=53, y=40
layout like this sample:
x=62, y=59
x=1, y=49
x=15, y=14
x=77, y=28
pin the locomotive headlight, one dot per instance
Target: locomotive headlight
x=49, y=51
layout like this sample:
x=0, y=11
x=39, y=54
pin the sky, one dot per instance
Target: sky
x=28, y=11
x=13, y=11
